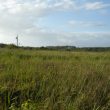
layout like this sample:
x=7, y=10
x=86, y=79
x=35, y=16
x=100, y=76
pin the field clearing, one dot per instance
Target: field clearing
x=54, y=80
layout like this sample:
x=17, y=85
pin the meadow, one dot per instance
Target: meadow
x=54, y=80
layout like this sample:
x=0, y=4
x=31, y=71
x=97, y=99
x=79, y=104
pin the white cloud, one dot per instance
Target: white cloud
x=38, y=7
x=65, y=5
x=95, y=5
x=86, y=24
x=18, y=16
x=43, y=37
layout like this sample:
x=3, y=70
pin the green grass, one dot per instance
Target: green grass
x=54, y=80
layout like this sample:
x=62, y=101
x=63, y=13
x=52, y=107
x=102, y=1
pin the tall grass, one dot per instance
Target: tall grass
x=54, y=80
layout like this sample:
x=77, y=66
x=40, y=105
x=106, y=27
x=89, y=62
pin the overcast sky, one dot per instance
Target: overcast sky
x=55, y=22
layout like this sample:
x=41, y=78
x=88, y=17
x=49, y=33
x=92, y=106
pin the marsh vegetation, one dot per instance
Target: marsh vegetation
x=54, y=80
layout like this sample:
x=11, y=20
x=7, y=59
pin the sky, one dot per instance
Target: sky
x=81, y=23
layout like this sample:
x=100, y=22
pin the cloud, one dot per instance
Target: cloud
x=65, y=5
x=95, y=5
x=40, y=8
x=17, y=16
x=47, y=37
x=43, y=37
x=86, y=24
x=37, y=7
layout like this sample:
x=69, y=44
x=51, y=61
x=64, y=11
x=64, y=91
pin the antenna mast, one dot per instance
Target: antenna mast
x=17, y=41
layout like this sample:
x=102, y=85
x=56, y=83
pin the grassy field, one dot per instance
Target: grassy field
x=54, y=80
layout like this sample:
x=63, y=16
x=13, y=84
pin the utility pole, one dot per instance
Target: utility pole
x=17, y=41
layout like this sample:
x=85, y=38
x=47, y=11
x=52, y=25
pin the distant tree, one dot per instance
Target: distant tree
x=11, y=46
